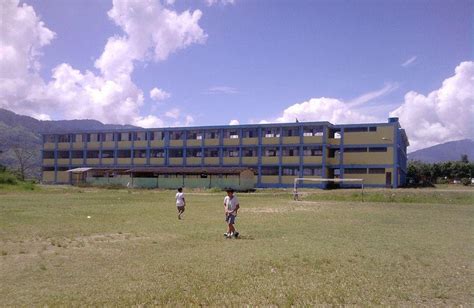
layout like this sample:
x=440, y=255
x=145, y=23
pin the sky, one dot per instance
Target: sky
x=167, y=63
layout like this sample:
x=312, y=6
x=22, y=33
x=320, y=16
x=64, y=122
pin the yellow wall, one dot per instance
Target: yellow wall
x=271, y=140
x=48, y=176
x=334, y=141
x=291, y=140
x=63, y=161
x=77, y=161
x=332, y=161
x=228, y=141
x=369, y=157
x=385, y=132
x=312, y=139
x=93, y=145
x=211, y=160
x=157, y=143
x=249, y=160
x=378, y=179
x=211, y=142
x=193, y=142
x=92, y=161
x=288, y=179
x=270, y=160
x=139, y=161
x=78, y=145
x=108, y=144
x=157, y=161
x=231, y=160
x=176, y=143
x=49, y=161
x=312, y=159
x=49, y=146
x=124, y=161
x=175, y=161
x=63, y=146
x=193, y=160
x=107, y=161
x=140, y=144
x=290, y=160
x=124, y=144
x=270, y=179
x=62, y=177
x=250, y=141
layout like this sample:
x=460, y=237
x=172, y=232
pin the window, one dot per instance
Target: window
x=87, y=137
x=378, y=149
x=312, y=171
x=63, y=154
x=140, y=136
x=176, y=153
x=48, y=154
x=63, y=138
x=271, y=133
x=249, y=152
x=376, y=170
x=107, y=154
x=293, y=151
x=77, y=154
x=355, y=129
x=157, y=135
x=312, y=151
x=232, y=134
x=124, y=153
x=313, y=131
x=372, y=128
x=109, y=137
x=212, y=134
x=117, y=137
x=139, y=153
x=355, y=150
x=231, y=152
x=355, y=171
x=194, y=153
x=271, y=152
x=48, y=168
x=249, y=133
x=157, y=153
x=211, y=152
x=290, y=171
x=176, y=135
x=194, y=135
x=291, y=131
x=92, y=154
x=100, y=137
x=269, y=171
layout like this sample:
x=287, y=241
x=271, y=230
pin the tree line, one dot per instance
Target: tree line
x=420, y=173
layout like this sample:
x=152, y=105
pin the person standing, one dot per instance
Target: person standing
x=231, y=206
x=180, y=202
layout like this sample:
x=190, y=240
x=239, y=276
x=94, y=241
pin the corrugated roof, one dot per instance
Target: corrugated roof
x=190, y=170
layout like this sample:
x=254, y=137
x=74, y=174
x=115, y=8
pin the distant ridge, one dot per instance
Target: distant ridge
x=449, y=151
x=36, y=126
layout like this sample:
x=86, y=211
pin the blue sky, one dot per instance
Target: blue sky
x=253, y=61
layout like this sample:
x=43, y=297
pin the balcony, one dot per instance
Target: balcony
x=157, y=143
x=175, y=161
x=77, y=161
x=211, y=142
x=271, y=140
x=63, y=161
x=108, y=144
x=193, y=160
x=270, y=179
x=334, y=141
x=291, y=140
x=312, y=160
x=211, y=160
x=139, y=161
x=78, y=145
x=193, y=143
x=157, y=161
x=249, y=160
x=124, y=161
x=48, y=161
x=230, y=160
x=250, y=141
x=332, y=161
x=49, y=145
x=228, y=141
x=63, y=146
x=93, y=145
x=92, y=161
x=107, y=161
x=290, y=160
x=312, y=139
x=124, y=144
x=275, y=160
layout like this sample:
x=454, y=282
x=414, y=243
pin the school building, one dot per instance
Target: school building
x=258, y=155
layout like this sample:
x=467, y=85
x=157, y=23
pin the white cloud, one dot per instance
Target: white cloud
x=173, y=113
x=443, y=115
x=234, y=122
x=149, y=121
x=409, y=61
x=323, y=109
x=188, y=120
x=159, y=94
x=369, y=96
x=151, y=33
x=220, y=2
x=222, y=90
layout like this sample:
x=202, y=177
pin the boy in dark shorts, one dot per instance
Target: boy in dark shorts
x=231, y=206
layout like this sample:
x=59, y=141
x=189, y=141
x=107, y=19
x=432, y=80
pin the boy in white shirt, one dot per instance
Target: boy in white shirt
x=180, y=202
x=231, y=206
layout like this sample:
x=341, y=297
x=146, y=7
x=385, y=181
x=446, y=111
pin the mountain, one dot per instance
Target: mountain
x=12, y=119
x=449, y=151
x=20, y=139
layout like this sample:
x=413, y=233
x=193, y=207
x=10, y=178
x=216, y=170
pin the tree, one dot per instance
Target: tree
x=464, y=158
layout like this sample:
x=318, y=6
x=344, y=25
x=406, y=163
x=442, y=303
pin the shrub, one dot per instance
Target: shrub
x=8, y=178
x=466, y=181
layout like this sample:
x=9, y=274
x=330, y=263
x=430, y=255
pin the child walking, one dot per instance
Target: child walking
x=180, y=202
x=231, y=206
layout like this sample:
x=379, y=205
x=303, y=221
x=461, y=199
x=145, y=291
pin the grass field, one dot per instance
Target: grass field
x=400, y=247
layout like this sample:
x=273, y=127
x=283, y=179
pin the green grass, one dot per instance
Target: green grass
x=134, y=251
